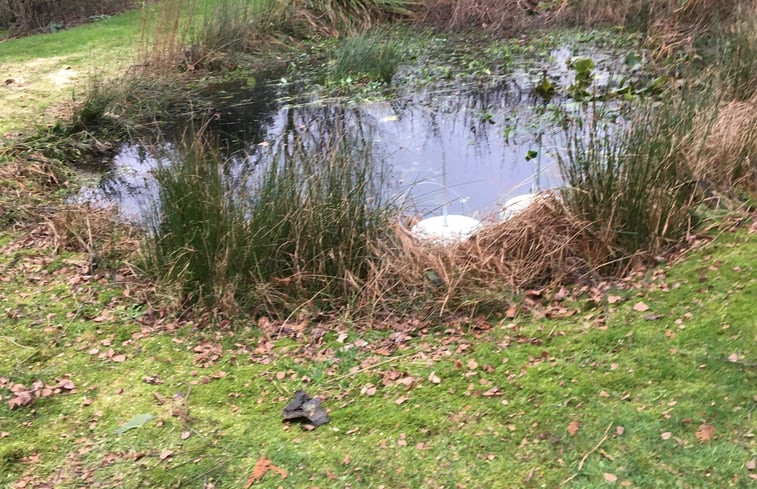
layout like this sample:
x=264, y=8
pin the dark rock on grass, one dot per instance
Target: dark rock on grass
x=304, y=408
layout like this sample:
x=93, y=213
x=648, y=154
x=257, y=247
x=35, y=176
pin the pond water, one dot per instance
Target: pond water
x=467, y=145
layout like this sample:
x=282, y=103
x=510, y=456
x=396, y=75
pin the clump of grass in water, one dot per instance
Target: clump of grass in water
x=366, y=56
x=223, y=33
x=634, y=184
x=299, y=237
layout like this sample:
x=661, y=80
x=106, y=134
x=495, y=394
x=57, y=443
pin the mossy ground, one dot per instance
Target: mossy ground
x=657, y=398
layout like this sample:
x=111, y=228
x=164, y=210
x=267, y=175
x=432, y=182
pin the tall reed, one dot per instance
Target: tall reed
x=298, y=236
x=635, y=183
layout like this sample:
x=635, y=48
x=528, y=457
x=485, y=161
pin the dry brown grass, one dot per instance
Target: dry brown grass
x=493, y=15
x=727, y=158
x=671, y=23
x=26, y=205
x=543, y=245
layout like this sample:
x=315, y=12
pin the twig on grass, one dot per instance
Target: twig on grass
x=586, y=455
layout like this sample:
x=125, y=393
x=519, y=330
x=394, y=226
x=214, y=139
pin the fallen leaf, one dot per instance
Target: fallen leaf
x=749, y=465
x=573, y=428
x=610, y=477
x=66, y=384
x=434, y=379
x=5, y=434
x=21, y=399
x=185, y=435
x=400, y=400
x=119, y=358
x=640, y=307
x=604, y=394
x=705, y=432
x=666, y=435
x=165, y=454
x=511, y=311
x=733, y=358
x=262, y=466
x=613, y=299
x=619, y=430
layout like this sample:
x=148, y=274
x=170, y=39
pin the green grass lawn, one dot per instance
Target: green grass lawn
x=48, y=69
x=45, y=71
x=657, y=398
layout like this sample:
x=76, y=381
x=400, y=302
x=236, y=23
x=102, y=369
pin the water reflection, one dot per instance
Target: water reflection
x=495, y=140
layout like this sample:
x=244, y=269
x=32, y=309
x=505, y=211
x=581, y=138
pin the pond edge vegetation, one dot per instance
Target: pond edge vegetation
x=632, y=195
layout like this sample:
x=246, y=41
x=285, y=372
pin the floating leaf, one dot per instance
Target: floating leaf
x=582, y=65
x=134, y=422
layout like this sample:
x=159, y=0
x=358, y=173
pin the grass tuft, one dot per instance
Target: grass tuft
x=367, y=56
x=635, y=184
x=298, y=238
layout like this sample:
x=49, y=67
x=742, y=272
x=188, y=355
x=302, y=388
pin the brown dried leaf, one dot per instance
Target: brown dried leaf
x=705, y=432
x=614, y=299
x=640, y=307
x=22, y=399
x=434, y=379
x=666, y=435
x=262, y=466
x=573, y=428
x=612, y=478
x=749, y=465
x=185, y=435
x=165, y=454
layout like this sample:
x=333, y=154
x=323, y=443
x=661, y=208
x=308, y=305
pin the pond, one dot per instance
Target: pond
x=465, y=145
